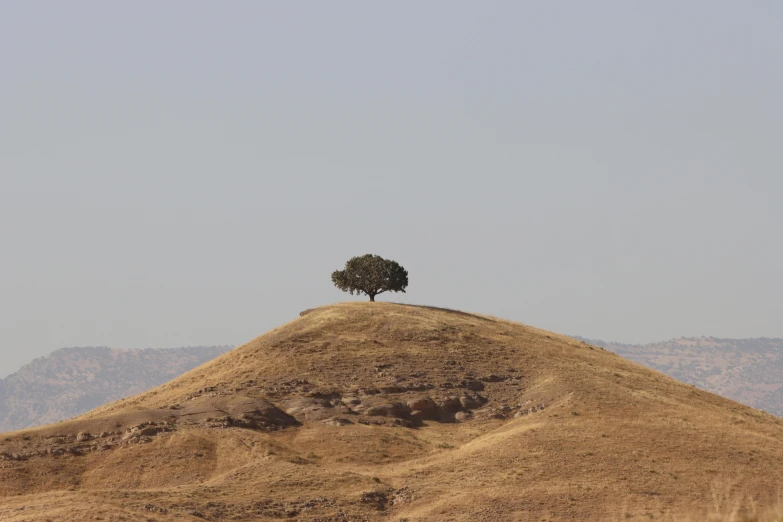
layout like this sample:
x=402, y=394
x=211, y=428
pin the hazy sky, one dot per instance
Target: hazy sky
x=182, y=173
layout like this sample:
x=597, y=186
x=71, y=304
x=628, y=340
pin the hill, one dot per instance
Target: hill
x=749, y=371
x=376, y=411
x=71, y=381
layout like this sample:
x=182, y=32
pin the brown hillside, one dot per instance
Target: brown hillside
x=379, y=411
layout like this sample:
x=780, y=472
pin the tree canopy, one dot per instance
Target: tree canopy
x=371, y=275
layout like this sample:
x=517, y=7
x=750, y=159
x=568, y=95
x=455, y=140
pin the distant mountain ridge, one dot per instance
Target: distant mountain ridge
x=71, y=381
x=749, y=371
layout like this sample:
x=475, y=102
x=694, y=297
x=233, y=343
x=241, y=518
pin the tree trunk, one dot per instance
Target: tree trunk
x=372, y=297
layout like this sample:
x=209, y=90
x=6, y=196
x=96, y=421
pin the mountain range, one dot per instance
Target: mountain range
x=749, y=371
x=71, y=381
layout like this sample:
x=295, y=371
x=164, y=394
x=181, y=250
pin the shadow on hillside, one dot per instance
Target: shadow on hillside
x=447, y=310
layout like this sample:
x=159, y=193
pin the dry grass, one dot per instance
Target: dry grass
x=739, y=510
x=615, y=441
x=723, y=505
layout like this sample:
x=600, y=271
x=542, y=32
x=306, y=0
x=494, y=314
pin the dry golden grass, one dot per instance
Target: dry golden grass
x=734, y=510
x=613, y=441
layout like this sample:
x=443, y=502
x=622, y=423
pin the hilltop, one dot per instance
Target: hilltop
x=71, y=381
x=749, y=371
x=370, y=411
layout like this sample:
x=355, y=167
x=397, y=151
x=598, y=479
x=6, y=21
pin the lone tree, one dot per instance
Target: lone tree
x=371, y=275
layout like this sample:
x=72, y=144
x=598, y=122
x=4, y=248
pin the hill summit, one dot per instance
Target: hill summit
x=364, y=411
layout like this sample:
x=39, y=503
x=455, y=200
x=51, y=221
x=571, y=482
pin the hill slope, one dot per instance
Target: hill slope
x=747, y=370
x=71, y=381
x=380, y=411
